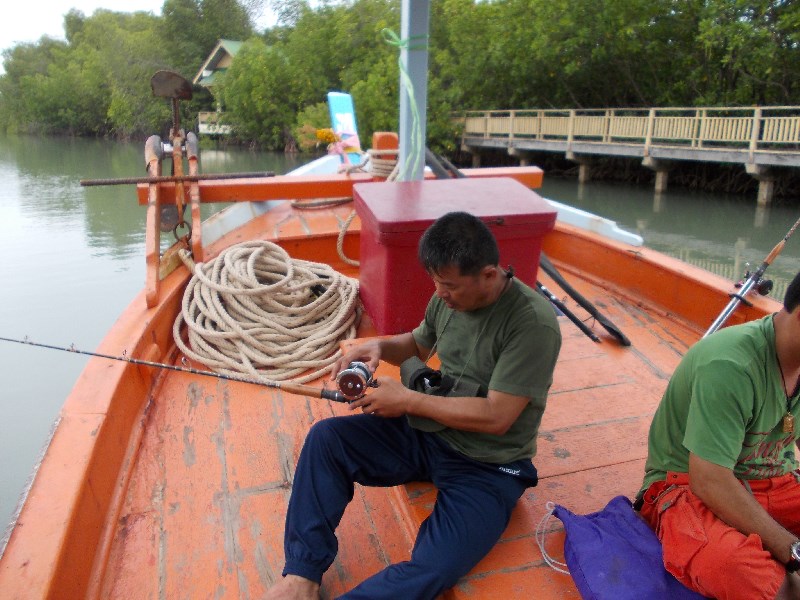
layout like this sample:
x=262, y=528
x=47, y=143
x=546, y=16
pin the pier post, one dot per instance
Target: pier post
x=523, y=156
x=662, y=172
x=766, y=182
x=475, y=153
x=584, y=166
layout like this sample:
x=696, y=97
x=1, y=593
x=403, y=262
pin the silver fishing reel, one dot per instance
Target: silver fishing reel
x=354, y=380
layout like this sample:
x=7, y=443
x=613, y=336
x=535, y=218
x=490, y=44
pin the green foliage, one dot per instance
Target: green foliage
x=193, y=27
x=496, y=54
x=98, y=82
x=256, y=92
x=312, y=117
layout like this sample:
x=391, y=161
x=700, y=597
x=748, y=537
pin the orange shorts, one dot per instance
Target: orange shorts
x=711, y=557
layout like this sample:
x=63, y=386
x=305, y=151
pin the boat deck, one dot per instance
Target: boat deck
x=203, y=512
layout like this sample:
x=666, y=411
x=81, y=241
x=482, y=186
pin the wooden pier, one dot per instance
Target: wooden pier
x=759, y=138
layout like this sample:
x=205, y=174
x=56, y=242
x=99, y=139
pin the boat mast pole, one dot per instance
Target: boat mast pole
x=414, y=19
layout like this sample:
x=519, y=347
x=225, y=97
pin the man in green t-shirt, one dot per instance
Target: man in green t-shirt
x=497, y=341
x=721, y=486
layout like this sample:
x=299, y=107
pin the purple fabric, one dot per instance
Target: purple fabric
x=613, y=554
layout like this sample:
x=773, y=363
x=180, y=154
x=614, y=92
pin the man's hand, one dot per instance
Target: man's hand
x=494, y=414
x=389, y=399
x=393, y=350
x=727, y=498
x=369, y=353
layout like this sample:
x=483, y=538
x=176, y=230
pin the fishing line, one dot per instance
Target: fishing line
x=294, y=388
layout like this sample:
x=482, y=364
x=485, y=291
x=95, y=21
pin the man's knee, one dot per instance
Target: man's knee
x=324, y=433
x=733, y=566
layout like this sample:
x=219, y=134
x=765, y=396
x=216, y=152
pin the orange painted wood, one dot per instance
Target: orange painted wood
x=311, y=186
x=196, y=217
x=153, y=199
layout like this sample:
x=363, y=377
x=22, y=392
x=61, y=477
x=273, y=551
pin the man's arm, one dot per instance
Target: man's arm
x=727, y=498
x=493, y=414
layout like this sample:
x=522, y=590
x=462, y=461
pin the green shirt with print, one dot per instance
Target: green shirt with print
x=510, y=346
x=726, y=404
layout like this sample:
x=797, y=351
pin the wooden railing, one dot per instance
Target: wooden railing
x=212, y=123
x=773, y=128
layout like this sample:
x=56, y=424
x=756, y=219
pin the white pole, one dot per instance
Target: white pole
x=414, y=20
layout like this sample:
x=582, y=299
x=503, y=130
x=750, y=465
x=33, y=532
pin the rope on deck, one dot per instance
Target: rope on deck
x=255, y=310
x=378, y=165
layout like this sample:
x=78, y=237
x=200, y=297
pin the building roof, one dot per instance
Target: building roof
x=223, y=49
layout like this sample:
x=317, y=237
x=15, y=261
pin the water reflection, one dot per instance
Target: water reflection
x=717, y=232
x=659, y=202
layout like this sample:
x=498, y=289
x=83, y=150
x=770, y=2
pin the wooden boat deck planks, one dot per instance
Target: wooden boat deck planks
x=206, y=507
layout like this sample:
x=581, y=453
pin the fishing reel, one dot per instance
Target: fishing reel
x=354, y=381
x=762, y=286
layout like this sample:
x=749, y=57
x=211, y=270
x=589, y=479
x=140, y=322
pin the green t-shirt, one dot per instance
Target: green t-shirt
x=510, y=346
x=725, y=403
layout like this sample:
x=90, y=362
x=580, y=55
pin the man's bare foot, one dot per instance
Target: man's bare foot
x=293, y=587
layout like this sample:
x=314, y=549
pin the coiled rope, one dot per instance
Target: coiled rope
x=383, y=163
x=378, y=167
x=255, y=310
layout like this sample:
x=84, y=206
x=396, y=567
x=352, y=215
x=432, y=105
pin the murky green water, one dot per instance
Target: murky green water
x=73, y=258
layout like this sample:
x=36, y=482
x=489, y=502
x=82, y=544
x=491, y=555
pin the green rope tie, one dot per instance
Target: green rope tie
x=417, y=145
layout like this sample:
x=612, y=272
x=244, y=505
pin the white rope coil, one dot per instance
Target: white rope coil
x=378, y=163
x=383, y=166
x=255, y=310
x=378, y=167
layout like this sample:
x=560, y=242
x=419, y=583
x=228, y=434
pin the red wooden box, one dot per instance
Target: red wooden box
x=395, y=289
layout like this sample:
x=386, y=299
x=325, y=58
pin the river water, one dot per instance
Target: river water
x=73, y=258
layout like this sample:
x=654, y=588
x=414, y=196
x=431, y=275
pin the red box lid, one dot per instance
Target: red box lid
x=404, y=206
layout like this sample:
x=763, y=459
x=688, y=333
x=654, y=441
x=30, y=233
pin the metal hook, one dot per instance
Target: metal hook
x=188, y=227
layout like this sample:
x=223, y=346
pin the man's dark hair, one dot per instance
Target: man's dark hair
x=792, y=298
x=460, y=240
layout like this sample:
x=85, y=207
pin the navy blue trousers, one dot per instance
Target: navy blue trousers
x=472, y=510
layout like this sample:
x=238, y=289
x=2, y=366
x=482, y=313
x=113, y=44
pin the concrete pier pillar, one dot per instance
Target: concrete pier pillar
x=523, y=156
x=475, y=153
x=766, y=188
x=659, y=202
x=584, y=166
x=766, y=182
x=661, y=181
x=662, y=172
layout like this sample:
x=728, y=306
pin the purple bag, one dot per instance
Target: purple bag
x=613, y=555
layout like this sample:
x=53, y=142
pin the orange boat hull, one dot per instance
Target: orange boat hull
x=166, y=485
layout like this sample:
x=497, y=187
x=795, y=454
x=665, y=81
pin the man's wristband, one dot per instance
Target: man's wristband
x=794, y=562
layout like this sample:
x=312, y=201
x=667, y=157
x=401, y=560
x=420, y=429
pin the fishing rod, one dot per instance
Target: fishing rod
x=753, y=281
x=549, y=268
x=569, y=314
x=350, y=380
